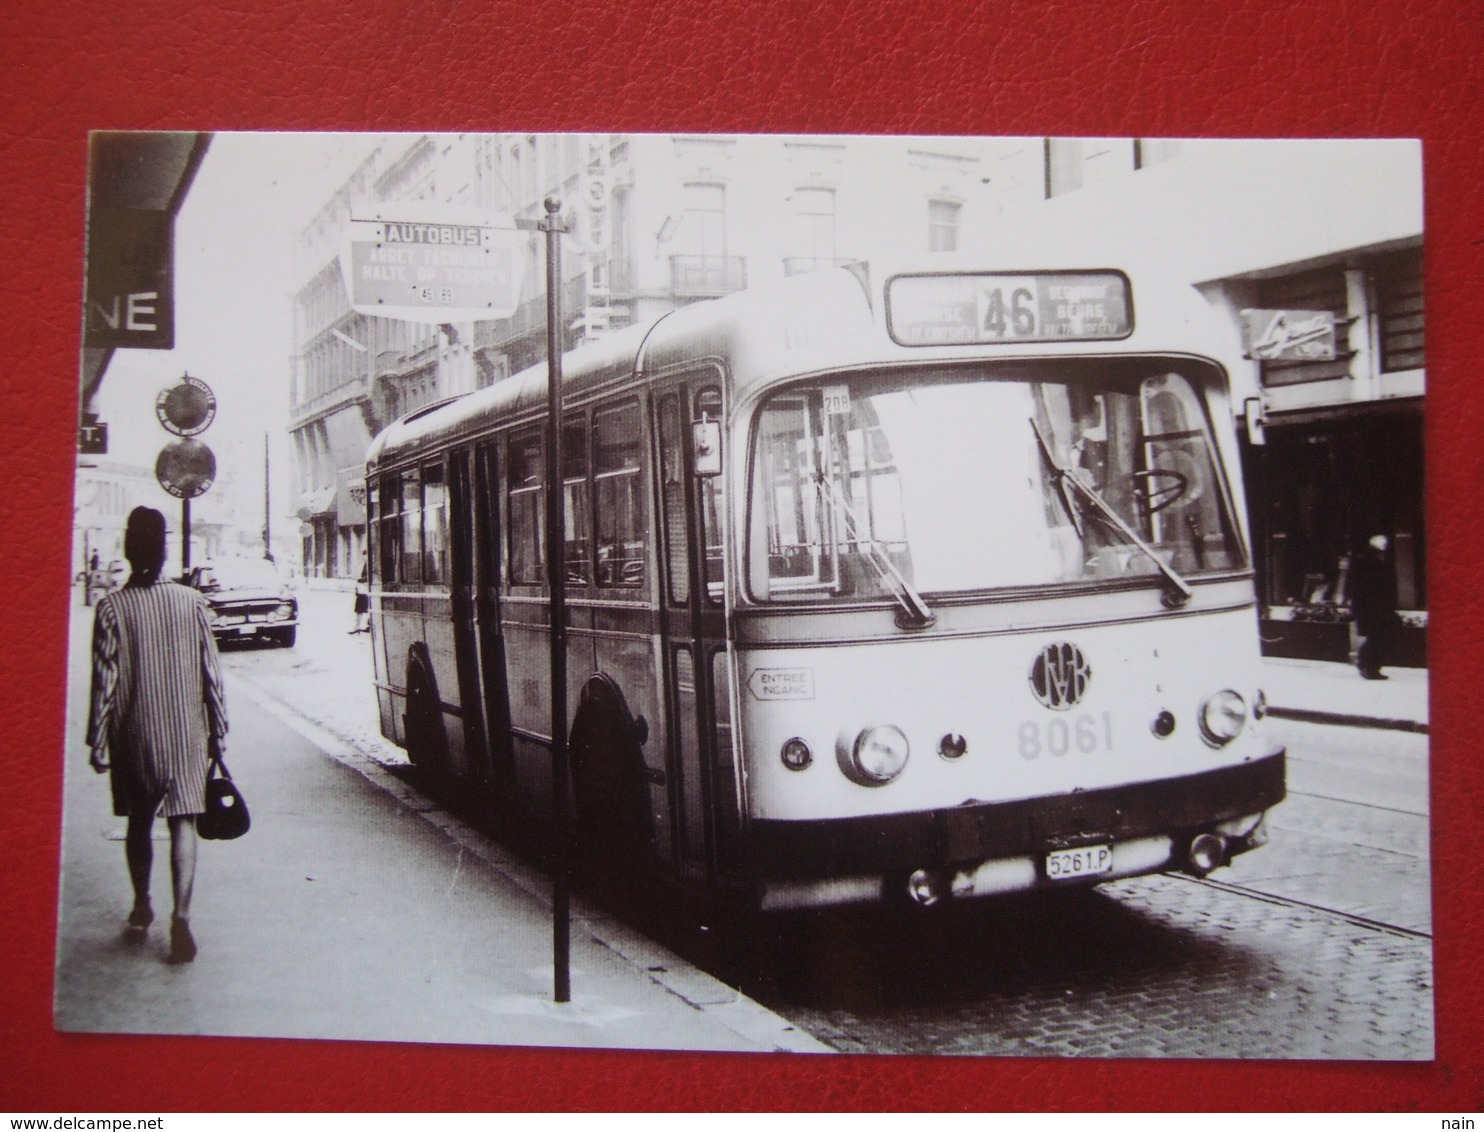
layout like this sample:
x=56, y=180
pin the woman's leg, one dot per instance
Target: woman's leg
x=183, y=862
x=183, y=876
x=139, y=852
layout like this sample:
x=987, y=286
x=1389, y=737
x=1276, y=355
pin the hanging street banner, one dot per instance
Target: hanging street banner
x=426, y=263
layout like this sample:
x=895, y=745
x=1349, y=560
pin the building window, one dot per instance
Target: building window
x=943, y=218
x=814, y=231
x=621, y=255
x=1151, y=151
x=705, y=228
x=1072, y=163
x=703, y=267
x=1399, y=310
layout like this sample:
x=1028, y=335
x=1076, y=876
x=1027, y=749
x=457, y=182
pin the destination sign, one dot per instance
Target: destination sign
x=977, y=309
x=434, y=269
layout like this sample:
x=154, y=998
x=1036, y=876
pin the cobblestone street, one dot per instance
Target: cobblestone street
x=1163, y=967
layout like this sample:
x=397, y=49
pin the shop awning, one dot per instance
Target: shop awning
x=312, y=504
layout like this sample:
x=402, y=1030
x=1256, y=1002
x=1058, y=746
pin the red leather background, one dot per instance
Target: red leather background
x=1140, y=67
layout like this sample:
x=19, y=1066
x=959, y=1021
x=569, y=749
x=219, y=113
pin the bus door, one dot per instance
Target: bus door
x=483, y=618
x=699, y=763
x=461, y=524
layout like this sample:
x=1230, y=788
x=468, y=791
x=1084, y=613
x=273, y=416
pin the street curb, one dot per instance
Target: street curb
x=724, y=1005
x=1306, y=715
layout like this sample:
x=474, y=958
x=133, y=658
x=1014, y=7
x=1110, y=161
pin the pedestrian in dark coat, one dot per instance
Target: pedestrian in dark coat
x=1373, y=600
x=156, y=708
x=363, y=600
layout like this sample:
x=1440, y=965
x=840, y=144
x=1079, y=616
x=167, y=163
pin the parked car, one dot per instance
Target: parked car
x=249, y=599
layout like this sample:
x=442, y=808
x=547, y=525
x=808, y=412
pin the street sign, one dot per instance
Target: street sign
x=92, y=436
x=130, y=298
x=188, y=408
x=429, y=264
x=186, y=468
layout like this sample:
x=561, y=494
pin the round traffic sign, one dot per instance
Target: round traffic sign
x=187, y=408
x=185, y=468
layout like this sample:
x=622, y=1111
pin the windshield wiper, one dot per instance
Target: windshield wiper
x=1177, y=591
x=914, y=612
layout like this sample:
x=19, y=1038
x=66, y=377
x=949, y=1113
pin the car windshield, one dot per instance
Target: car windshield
x=900, y=486
x=257, y=574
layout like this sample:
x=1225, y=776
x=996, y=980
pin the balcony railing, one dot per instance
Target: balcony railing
x=706, y=276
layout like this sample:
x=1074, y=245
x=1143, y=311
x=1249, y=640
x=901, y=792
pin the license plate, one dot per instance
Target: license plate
x=247, y=630
x=1084, y=861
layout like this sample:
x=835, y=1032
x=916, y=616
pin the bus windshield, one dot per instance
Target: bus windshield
x=874, y=486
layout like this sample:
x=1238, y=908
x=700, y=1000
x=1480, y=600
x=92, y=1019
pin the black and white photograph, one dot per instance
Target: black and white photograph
x=757, y=593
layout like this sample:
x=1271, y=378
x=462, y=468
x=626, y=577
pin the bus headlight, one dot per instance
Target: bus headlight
x=1222, y=717
x=875, y=757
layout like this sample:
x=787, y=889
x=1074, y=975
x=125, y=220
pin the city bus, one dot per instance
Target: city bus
x=922, y=587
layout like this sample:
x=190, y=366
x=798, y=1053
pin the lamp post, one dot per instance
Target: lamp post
x=556, y=572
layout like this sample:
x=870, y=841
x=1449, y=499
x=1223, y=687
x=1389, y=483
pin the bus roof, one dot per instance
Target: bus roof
x=829, y=320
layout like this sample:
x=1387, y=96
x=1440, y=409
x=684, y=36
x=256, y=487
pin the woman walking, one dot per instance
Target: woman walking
x=156, y=708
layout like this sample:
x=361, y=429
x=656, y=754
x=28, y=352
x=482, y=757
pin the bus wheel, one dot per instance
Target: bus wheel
x=611, y=807
x=427, y=743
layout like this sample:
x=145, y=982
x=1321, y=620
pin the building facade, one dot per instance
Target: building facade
x=658, y=221
x=661, y=220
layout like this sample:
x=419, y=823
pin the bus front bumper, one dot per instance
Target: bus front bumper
x=1195, y=823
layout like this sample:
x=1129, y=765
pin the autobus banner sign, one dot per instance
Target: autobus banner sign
x=1288, y=335
x=983, y=309
x=435, y=267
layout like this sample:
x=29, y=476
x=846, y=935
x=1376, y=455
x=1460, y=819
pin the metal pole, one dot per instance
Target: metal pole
x=556, y=573
x=267, y=521
x=185, y=536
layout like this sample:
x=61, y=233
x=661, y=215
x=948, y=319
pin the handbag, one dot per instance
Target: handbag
x=226, y=815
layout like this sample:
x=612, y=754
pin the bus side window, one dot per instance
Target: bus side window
x=578, y=513
x=388, y=529
x=708, y=488
x=527, y=524
x=673, y=437
x=618, y=496
x=411, y=515
x=435, y=526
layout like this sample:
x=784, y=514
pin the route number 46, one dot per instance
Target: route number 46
x=1085, y=734
x=1017, y=319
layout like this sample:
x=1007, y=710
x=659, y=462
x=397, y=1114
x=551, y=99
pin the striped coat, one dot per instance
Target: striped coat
x=157, y=695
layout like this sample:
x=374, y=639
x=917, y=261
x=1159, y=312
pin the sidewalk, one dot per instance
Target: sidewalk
x=354, y=909
x=1314, y=691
